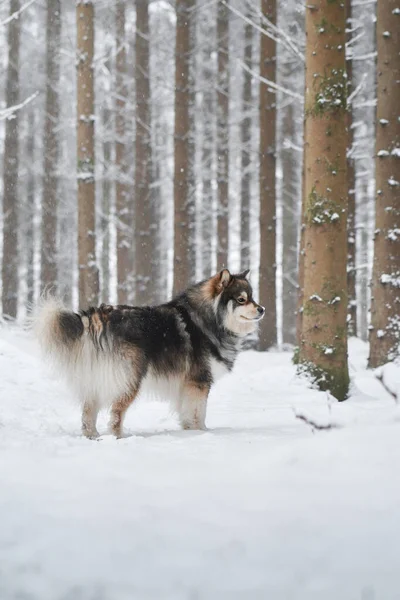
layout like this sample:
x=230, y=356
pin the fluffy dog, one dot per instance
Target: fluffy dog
x=108, y=354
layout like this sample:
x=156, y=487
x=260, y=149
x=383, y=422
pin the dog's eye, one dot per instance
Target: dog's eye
x=241, y=300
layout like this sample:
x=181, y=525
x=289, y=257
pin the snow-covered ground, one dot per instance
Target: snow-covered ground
x=259, y=507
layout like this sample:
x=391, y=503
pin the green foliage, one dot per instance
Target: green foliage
x=333, y=379
x=320, y=209
x=330, y=93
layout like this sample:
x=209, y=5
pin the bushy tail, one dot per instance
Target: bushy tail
x=57, y=329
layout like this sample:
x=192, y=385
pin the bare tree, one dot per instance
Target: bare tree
x=124, y=214
x=30, y=208
x=51, y=147
x=385, y=302
x=246, y=149
x=88, y=272
x=184, y=204
x=268, y=328
x=323, y=347
x=223, y=133
x=10, y=172
x=107, y=118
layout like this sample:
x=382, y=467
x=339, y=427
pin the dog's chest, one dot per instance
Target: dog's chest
x=218, y=369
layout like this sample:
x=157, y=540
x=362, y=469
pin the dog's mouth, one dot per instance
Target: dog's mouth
x=253, y=319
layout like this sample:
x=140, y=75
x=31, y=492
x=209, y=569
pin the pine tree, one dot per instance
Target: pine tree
x=385, y=302
x=51, y=147
x=268, y=327
x=223, y=134
x=323, y=348
x=123, y=209
x=246, y=150
x=10, y=172
x=183, y=203
x=88, y=273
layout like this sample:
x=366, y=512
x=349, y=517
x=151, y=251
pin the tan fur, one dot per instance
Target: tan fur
x=194, y=405
x=118, y=411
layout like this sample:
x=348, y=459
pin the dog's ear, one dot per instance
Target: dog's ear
x=225, y=278
x=245, y=274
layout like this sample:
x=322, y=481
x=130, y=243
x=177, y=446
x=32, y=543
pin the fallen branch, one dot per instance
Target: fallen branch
x=379, y=377
x=315, y=425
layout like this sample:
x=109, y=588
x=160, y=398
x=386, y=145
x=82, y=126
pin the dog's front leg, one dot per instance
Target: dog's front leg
x=89, y=419
x=193, y=408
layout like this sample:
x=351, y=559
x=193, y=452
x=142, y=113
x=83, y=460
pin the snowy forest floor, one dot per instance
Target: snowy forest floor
x=259, y=507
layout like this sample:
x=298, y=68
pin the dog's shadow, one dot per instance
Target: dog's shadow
x=195, y=433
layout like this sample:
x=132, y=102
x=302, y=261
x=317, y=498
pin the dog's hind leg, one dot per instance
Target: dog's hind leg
x=192, y=411
x=89, y=418
x=118, y=411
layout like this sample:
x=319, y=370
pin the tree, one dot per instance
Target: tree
x=385, y=301
x=246, y=150
x=268, y=328
x=30, y=208
x=183, y=202
x=323, y=347
x=10, y=171
x=88, y=273
x=351, y=183
x=51, y=147
x=106, y=204
x=223, y=134
x=124, y=214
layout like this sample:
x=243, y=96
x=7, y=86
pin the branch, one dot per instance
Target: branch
x=17, y=13
x=8, y=113
x=315, y=425
x=379, y=377
x=271, y=84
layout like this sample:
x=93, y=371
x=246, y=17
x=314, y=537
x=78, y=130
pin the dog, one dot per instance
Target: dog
x=109, y=354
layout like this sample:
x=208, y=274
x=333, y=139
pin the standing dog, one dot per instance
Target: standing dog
x=110, y=353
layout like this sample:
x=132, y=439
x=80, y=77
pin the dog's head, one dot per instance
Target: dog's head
x=233, y=302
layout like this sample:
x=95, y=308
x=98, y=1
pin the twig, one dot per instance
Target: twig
x=315, y=425
x=379, y=377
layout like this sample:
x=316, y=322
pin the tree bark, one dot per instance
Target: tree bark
x=268, y=327
x=123, y=209
x=88, y=273
x=385, y=302
x=323, y=348
x=30, y=210
x=48, y=271
x=351, y=183
x=145, y=212
x=106, y=207
x=246, y=151
x=10, y=173
x=223, y=135
x=184, y=205
x=208, y=144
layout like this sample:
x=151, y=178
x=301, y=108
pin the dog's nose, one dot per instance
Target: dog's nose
x=260, y=310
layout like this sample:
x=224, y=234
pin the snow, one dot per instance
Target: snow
x=259, y=506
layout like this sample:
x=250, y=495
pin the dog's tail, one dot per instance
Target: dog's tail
x=58, y=330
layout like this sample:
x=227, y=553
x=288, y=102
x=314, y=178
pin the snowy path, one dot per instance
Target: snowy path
x=258, y=507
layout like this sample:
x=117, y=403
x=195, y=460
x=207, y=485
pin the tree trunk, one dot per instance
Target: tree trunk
x=30, y=210
x=223, y=135
x=385, y=301
x=48, y=272
x=246, y=151
x=268, y=331
x=290, y=226
x=123, y=209
x=351, y=183
x=323, y=348
x=88, y=273
x=207, y=161
x=145, y=212
x=106, y=206
x=10, y=173
x=184, y=204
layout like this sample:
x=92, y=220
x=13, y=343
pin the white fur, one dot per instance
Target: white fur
x=96, y=377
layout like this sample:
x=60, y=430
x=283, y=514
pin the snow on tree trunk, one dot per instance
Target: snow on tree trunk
x=246, y=151
x=323, y=347
x=10, y=173
x=184, y=205
x=385, y=302
x=222, y=135
x=351, y=185
x=88, y=285
x=48, y=271
x=268, y=327
x=106, y=205
x=123, y=206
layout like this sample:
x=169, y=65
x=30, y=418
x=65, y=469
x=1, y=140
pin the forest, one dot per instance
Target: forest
x=146, y=145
